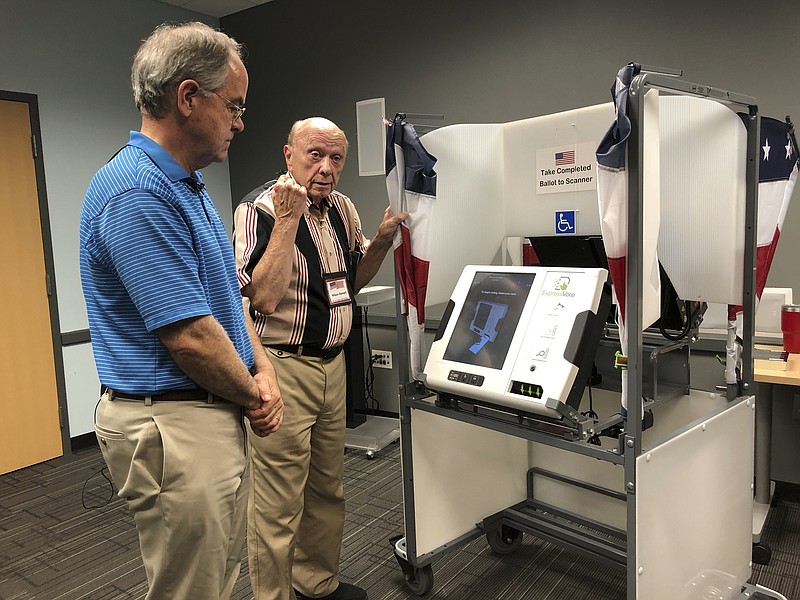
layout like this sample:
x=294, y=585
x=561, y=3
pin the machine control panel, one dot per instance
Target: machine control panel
x=468, y=378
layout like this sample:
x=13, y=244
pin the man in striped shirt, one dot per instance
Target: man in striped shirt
x=179, y=361
x=301, y=257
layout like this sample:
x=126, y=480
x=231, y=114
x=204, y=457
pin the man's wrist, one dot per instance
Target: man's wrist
x=254, y=396
x=380, y=243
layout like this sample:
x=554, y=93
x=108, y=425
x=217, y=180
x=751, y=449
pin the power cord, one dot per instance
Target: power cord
x=595, y=439
x=100, y=504
x=685, y=310
x=369, y=378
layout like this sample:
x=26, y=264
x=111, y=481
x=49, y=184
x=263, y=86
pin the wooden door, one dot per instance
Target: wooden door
x=30, y=429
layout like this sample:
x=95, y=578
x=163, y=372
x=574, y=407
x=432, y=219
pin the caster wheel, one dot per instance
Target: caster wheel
x=370, y=455
x=420, y=580
x=504, y=540
x=761, y=553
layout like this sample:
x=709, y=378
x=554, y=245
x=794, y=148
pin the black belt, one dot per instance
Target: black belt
x=308, y=351
x=194, y=394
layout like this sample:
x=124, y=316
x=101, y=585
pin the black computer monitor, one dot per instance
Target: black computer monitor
x=569, y=251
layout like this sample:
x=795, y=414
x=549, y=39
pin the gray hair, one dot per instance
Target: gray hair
x=173, y=54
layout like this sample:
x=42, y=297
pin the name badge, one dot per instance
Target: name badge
x=337, y=288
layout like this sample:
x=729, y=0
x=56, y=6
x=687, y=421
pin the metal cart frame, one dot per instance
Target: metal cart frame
x=611, y=545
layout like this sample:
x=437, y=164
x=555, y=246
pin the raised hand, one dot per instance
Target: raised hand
x=289, y=198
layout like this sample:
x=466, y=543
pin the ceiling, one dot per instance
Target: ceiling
x=216, y=8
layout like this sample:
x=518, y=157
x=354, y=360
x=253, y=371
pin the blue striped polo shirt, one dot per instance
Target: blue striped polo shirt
x=153, y=251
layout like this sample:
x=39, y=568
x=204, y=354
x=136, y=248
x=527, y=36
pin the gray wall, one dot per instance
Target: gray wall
x=76, y=56
x=478, y=62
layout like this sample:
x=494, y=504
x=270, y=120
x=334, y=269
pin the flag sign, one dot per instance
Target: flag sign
x=566, y=157
x=566, y=169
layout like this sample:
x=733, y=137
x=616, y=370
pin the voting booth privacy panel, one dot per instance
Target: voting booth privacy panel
x=502, y=180
x=489, y=438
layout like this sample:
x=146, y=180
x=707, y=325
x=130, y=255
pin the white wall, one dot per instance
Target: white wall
x=76, y=56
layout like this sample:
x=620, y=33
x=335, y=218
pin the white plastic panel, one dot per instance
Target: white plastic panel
x=768, y=313
x=669, y=417
x=462, y=474
x=715, y=318
x=651, y=210
x=487, y=189
x=694, y=507
x=529, y=148
x=703, y=160
x=467, y=221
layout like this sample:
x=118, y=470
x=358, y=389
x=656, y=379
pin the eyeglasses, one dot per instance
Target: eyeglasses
x=236, y=110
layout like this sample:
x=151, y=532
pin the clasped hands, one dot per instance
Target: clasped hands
x=268, y=417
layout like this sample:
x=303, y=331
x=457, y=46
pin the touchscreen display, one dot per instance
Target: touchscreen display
x=489, y=318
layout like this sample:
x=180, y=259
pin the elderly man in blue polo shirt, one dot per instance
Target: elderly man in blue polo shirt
x=179, y=361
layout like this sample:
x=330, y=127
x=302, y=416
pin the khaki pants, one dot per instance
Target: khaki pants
x=183, y=470
x=296, y=509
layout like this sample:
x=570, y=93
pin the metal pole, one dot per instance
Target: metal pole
x=633, y=316
x=405, y=425
x=750, y=241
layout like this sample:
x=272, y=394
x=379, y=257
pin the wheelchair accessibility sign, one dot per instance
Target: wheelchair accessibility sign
x=565, y=222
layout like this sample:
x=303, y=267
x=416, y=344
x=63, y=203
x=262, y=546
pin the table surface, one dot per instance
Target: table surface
x=774, y=371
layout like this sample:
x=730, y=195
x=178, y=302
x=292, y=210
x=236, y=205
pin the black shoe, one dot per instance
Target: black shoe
x=345, y=591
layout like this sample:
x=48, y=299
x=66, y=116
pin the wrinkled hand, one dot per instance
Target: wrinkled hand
x=389, y=224
x=289, y=198
x=268, y=417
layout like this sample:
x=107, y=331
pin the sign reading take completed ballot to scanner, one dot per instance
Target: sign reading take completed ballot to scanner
x=566, y=168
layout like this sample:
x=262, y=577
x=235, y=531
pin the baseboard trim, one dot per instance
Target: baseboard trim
x=81, y=442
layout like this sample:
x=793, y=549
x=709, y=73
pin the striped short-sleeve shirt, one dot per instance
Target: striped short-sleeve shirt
x=329, y=240
x=153, y=251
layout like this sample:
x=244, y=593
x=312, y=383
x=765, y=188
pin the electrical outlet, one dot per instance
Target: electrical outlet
x=382, y=359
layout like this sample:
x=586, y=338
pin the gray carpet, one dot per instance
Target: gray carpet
x=63, y=536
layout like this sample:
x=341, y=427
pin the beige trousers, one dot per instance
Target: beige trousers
x=296, y=510
x=183, y=470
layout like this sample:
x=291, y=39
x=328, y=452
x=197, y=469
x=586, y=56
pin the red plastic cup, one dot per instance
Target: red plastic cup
x=790, y=326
